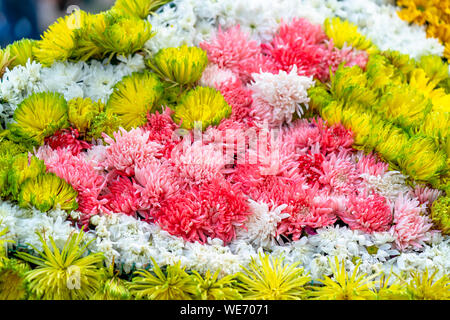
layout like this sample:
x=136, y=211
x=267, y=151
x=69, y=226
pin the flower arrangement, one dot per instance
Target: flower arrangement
x=184, y=151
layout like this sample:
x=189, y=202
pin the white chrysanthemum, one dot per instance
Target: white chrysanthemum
x=262, y=224
x=284, y=93
x=390, y=185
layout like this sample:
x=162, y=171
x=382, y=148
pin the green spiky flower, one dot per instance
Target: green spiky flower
x=22, y=168
x=424, y=286
x=103, y=123
x=210, y=287
x=81, y=113
x=12, y=280
x=345, y=33
x=8, y=150
x=183, y=65
x=173, y=284
x=40, y=116
x=65, y=274
x=21, y=51
x=202, y=104
x=112, y=287
x=138, y=8
x=47, y=191
x=440, y=214
x=134, y=97
x=269, y=278
x=356, y=286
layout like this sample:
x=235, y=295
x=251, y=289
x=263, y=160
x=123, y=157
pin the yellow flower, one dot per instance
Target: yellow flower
x=21, y=51
x=183, y=65
x=133, y=98
x=173, y=284
x=424, y=286
x=81, y=113
x=39, y=116
x=210, y=287
x=12, y=280
x=440, y=214
x=112, y=287
x=391, y=291
x=23, y=167
x=5, y=61
x=138, y=8
x=68, y=274
x=47, y=191
x=203, y=105
x=103, y=123
x=269, y=278
x=343, y=286
x=345, y=33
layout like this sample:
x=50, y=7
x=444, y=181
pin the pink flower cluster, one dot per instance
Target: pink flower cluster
x=196, y=185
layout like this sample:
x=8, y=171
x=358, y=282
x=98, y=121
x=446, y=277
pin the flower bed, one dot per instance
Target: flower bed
x=226, y=150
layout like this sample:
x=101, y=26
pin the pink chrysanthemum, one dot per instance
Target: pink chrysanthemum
x=339, y=174
x=232, y=49
x=215, y=76
x=307, y=207
x=197, y=163
x=212, y=210
x=334, y=138
x=67, y=139
x=369, y=213
x=239, y=98
x=122, y=196
x=370, y=164
x=411, y=226
x=300, y=136
x=161, y=129
x=78, y=173
x=129, y=149
x=425, y=194
x=155, y=183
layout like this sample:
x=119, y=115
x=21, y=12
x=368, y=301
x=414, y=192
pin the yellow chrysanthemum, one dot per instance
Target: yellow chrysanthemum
x=21, y=51
x=357, y=286
x=345, y=33
x=138, y=8
x=23, y=167
x=422, y=160
x=59, y=41
x=5, y=61
x=269, y=278
x=39, y=116
x=203, y=105
x=47, y=191
x=8, y=150
x=12, y=280
x=81, y=113
x=380, y=72
x=183, y=65
x=437, y=126
x=434, y=67
x=402, y=63
x=391, y=290
x=210, y=287
x=390, y=141
x=87, y=47
x=66, y=274
x=3, y=245
x=424, y=286
x=134, y=97
x=173, y=284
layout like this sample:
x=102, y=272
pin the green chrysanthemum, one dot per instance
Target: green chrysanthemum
x=173, y=284
x=422, y=160
x=59, y=41
x=134, y=97
x=81, y=113
x=12, y=280
x=39, y=116
x=424, y=286
x=357, y=286
x=47, y=191
x=103, y=123
x=64, y=275
x=22, y=168
x=8, y=150
x=203, y=105
x=210, y=287
x=440, y=214
x=138, y=8
x=21, y=51
x=183, y=65
x=345, y=33
x=112, y=287
x=269, y=278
